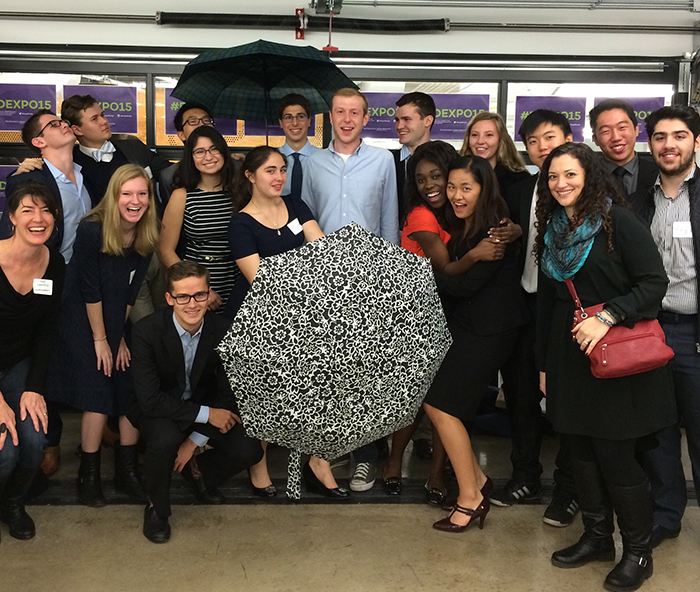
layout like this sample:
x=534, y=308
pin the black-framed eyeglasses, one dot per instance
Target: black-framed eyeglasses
x=200, y=152
x=183, y=299
x=53, y=123
x=195, y=121
x=298, y=117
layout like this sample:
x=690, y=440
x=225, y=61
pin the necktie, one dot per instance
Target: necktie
x=107, y=148
x=619, y=173
x=296, y=176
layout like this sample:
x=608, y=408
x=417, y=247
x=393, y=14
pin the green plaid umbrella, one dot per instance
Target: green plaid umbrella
x=248, y=81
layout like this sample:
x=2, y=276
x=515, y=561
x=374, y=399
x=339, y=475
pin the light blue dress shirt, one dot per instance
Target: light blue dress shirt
x=306, y=151
x=75, y=203
x=190, y=343
x=361, y=190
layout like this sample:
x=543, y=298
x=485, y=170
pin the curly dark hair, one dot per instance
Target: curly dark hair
x=490, y=207
x=441, y=154
x=598, y=189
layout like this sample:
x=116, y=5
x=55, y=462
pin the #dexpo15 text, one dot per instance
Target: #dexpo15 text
x=577, y=115
x=439, y=113
x=25, y=104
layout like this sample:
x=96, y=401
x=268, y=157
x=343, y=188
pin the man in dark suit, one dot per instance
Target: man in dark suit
x=542, y=131
x=415, y=115
x=615, y=130
x=671, y=208
x=183, y=399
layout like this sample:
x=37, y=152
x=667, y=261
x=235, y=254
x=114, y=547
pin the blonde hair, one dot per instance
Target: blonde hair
x=507, y=154
x=351, y=92
x=107, y=214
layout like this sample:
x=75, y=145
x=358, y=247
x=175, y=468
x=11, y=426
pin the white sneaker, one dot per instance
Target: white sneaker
x=364, y=476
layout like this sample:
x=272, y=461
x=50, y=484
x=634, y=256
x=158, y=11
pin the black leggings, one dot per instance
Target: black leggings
x=617, y=459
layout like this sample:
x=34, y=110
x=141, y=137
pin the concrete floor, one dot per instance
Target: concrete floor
x=375, y=544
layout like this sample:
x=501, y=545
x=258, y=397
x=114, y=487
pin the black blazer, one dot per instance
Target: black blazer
x=519, y=200
x=158, y=365
x=648, y=172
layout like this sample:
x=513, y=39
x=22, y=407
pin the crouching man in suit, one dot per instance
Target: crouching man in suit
x=183, y=399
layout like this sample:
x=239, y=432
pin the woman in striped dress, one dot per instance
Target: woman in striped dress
x=200, y=209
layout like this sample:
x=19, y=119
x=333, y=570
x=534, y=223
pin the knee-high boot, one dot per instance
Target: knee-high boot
x=633, y=507
x=126, y=476
x=89, y=486
x=596, y=543
x=12, y=510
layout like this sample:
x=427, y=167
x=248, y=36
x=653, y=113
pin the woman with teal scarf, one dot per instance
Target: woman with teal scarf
x=584, y=232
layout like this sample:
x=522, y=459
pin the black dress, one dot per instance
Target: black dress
x=247, y=236
x=632, y=282
x=484, y=308
x=115, y=281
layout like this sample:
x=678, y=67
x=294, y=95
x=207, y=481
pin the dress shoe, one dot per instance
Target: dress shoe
x=587, y=549
x=205, y=495
x=155, y=528
x=480, y=512
x=314, y=484
x=485, y=491
x=435, y=496
x=269, y=491
x=52, y=460
x=423, y=448
x=659, y=534
x=393, y=486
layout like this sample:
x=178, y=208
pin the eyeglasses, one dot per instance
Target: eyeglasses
x=53, y=123
x=183, y=299
x=200, y=152
x=298, y=117
x=195, y=121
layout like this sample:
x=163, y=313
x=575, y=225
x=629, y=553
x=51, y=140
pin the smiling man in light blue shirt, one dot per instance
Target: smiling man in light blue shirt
x=352, y=181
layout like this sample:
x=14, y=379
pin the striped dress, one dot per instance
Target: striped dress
x=205, y=224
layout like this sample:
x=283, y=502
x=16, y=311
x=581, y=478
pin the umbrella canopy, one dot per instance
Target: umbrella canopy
x=248, y=81
x=335, y=345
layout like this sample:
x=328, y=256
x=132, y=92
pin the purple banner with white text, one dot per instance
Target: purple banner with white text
x=643, y=106
x=5, y=171
x=454, y=112
x=118, y=103
x=19, y=101
x=226, y=127
x=573, y=108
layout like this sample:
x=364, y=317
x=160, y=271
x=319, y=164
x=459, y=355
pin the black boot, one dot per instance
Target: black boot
x=596, y=543
x=12, y=510
x=635, y=518
x=126, y=476
x=89, y=486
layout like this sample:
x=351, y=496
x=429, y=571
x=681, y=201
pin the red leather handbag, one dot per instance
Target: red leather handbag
x=624, y=351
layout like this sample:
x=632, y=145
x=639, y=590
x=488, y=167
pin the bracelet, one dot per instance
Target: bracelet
x=100, y=339
x=602, y=319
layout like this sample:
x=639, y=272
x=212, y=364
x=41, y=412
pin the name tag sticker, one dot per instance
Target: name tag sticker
x=682, y=230
x=131, y=275
x=294, y=226
x=43, y=287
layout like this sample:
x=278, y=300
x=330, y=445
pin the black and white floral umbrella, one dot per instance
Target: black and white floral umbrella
x=335, y=345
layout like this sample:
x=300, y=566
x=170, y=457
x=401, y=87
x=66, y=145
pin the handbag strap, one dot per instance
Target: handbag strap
x=572, y=292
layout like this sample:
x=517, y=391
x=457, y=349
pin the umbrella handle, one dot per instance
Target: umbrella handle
x=294, y=475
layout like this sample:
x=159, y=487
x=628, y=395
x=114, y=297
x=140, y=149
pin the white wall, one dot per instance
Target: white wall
x=30, y=31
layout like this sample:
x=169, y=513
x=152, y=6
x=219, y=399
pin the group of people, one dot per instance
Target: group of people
x=82, y=226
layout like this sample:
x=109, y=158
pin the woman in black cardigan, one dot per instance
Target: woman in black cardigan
x=586, y=235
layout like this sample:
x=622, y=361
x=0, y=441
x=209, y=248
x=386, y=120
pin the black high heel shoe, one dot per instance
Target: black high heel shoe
x=269, y=491
x=480, y=512
x=314, y=484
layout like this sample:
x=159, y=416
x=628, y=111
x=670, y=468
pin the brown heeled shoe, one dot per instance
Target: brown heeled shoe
x=485, y=491
x=446, y=525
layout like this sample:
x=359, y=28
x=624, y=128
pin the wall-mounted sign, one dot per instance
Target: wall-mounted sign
x=19, y=101
x=573, y=108
x=118, y=103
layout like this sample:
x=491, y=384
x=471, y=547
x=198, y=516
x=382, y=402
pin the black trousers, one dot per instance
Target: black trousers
x=619, y=460
x=521, y=387
x=231, y=453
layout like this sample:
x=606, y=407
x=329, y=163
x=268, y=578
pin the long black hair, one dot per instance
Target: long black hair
x=490, y=207
x=439, y=153
x=188, y=176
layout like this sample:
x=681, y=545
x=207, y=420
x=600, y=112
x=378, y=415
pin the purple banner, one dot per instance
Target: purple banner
x=226, y=127
x=454, y=112
x=118, y=102
x=573, y=108
x=5, y=171
x=643, y=106
x=19, y=101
